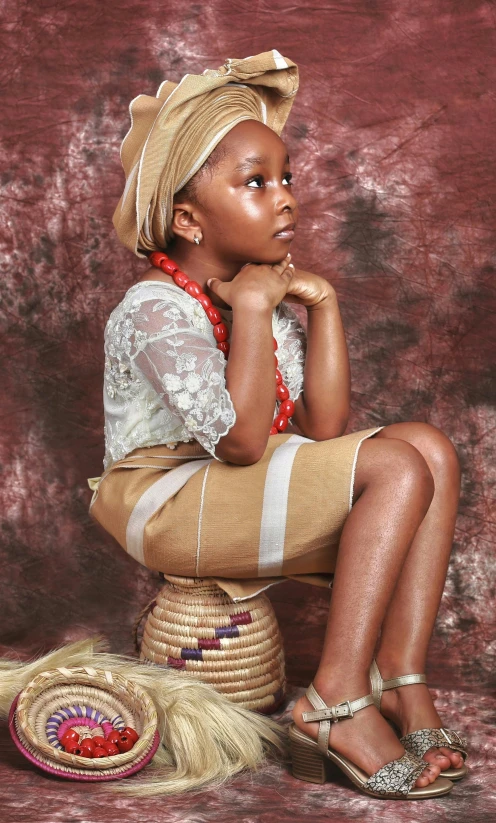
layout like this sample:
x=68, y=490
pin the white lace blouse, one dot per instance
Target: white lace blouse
x=164, y=376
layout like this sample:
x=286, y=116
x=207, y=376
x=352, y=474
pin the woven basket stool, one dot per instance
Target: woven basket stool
x=195, y=627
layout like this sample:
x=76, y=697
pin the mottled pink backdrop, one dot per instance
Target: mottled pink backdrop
x=393, y=139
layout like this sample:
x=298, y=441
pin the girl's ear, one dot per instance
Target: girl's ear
x=184, y=221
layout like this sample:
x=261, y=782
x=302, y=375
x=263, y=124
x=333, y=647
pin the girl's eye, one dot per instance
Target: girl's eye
x=256, y=180
x=287, y=179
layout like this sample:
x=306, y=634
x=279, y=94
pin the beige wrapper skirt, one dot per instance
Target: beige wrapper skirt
x=184, y=513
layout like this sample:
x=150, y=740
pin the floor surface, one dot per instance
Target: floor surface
x=270, y=796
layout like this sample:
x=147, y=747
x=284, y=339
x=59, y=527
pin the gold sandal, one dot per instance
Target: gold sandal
x=392, y=781
x=420, y=741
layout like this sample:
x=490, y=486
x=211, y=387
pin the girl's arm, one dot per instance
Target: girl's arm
x=322, y=409
x=251, y=385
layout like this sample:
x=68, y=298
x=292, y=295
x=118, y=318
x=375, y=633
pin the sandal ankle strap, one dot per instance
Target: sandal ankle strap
x=326, y=714
x=338, y=712
x=403, y=680
x=379, y=685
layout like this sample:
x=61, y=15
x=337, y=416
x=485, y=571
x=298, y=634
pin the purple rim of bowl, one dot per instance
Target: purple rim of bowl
x=71, y=776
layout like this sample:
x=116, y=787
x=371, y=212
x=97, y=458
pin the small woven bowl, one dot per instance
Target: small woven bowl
x=90, y=700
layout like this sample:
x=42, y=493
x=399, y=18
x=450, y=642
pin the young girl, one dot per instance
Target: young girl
x=219, y=488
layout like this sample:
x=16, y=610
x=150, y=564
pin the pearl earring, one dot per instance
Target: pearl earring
x=197, y=240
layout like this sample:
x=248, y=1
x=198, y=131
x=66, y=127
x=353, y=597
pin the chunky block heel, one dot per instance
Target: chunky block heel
x=307, y=763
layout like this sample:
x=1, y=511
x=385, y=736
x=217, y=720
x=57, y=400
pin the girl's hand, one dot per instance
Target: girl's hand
x=308, y=289
x=258, y=285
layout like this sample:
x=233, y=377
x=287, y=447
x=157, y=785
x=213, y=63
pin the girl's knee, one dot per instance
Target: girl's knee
x=397, y=463
x=437, y=448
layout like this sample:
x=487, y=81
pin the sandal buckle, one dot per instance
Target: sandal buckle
x=452, y=737
x=344, y=705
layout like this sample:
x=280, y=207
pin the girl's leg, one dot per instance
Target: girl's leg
x=411, y=615
x=394, y=489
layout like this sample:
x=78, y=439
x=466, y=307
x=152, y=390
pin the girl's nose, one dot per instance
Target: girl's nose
x=285, y=200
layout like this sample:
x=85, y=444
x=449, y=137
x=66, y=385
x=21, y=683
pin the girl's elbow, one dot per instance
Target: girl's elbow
x=240, y=455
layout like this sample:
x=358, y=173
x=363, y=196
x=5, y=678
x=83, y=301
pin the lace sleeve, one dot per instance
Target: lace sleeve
x=174, y=349
x=292, y=347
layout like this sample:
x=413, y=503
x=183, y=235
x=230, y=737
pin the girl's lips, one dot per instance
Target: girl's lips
x=285, y=235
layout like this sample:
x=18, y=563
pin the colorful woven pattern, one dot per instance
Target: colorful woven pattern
x=194, y=626
x=242, y=619
x=80, y=718
x=83, y=699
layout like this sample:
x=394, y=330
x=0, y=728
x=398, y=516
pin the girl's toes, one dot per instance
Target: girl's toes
x=455, y=758
x=436, y=758
x=429, y=775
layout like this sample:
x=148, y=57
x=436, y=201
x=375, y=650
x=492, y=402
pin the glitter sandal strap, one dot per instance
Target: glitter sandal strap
x=396, y=778
x=422, y=740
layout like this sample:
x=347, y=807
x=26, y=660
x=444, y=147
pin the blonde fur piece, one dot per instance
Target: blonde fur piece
x=15, y=674
x=206, y=739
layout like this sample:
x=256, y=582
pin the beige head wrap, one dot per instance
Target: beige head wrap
x=172, y=135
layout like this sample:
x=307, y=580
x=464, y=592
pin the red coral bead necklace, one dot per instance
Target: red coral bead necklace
x=221, y=333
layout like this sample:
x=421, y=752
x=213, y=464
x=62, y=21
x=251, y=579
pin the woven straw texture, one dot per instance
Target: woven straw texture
x=92, y=701
x=194, y=626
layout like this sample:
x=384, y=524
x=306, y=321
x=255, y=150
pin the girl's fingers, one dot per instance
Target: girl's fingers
x=280, y=267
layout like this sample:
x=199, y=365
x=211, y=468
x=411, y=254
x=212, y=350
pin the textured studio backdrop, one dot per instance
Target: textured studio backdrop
x=392, y=139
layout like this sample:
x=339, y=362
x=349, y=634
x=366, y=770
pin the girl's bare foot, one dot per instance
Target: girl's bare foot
x=366, y=739
x=411, y=708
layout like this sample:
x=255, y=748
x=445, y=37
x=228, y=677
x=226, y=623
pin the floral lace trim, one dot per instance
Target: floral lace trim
x=198, y=407
x=291, y=354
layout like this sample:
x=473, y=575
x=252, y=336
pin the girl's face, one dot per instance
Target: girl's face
x=244, y=204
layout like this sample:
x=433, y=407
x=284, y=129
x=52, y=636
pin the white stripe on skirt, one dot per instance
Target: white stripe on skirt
x=151, y=500
x=275, y=506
